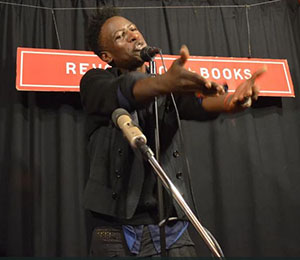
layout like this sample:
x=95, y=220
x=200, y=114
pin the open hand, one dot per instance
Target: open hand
x=245, y=93
x=179, y=79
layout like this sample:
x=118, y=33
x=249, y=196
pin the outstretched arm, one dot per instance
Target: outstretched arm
x=241, y=99
x=176, y=80
x=180, y=80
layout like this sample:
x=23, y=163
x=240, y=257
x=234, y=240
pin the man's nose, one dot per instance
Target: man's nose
x=132, y=36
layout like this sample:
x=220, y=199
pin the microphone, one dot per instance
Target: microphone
x=147, y=53
x=122, y=120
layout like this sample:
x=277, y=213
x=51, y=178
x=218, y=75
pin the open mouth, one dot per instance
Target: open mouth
x=139, y=46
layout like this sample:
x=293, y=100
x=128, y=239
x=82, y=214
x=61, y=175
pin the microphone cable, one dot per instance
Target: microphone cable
x=186, y=159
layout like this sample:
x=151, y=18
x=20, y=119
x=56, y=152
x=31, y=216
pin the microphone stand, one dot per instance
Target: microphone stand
x=160, y=195
x=170, y=187
x=149, y=156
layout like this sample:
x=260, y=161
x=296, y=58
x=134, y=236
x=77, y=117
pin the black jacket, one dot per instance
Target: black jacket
x=117, y=173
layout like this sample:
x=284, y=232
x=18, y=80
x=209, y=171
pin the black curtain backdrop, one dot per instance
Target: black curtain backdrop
x=245, y=168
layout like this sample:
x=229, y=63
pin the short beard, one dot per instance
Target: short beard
x=135, y=65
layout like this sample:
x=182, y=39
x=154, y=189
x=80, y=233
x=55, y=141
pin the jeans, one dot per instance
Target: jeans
x=110, y=242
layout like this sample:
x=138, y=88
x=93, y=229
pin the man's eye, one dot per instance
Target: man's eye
x=119, y=36
x=133, y=29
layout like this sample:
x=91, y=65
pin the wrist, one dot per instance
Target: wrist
x=163, y=84
x=226, y=102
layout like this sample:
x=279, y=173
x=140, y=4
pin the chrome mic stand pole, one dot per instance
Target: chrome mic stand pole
x=147, y=54
x=149, y=156
x=160, y=195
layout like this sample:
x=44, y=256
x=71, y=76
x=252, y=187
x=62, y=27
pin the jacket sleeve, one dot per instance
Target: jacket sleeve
x=190, y=108
x=102, y=91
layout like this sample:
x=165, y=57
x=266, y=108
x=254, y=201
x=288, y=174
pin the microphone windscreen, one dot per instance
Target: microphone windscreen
x=117, y=113
x=147, y=53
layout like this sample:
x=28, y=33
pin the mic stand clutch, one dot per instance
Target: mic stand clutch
x=149, y=156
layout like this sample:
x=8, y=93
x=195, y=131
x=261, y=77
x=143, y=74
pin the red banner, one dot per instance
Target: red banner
x=61, y=70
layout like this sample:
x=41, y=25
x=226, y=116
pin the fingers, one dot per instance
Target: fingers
x=255, y=92
x=201, y=84
x=255, y=88
x=189, y=81
x=247, y=91
x=184, y=52
x=196, y=78
x=219, y=88
x=258, y=73
x=246, y=103
x=184, y=55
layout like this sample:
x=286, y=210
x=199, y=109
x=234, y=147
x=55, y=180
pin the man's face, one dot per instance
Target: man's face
x=121, y=43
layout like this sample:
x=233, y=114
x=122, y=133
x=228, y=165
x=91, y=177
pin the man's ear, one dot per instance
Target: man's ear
x=106, y=56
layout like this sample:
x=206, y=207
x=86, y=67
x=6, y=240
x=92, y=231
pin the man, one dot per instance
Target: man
x=121, y=191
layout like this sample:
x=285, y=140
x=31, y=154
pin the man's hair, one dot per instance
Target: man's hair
x=96, y=22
